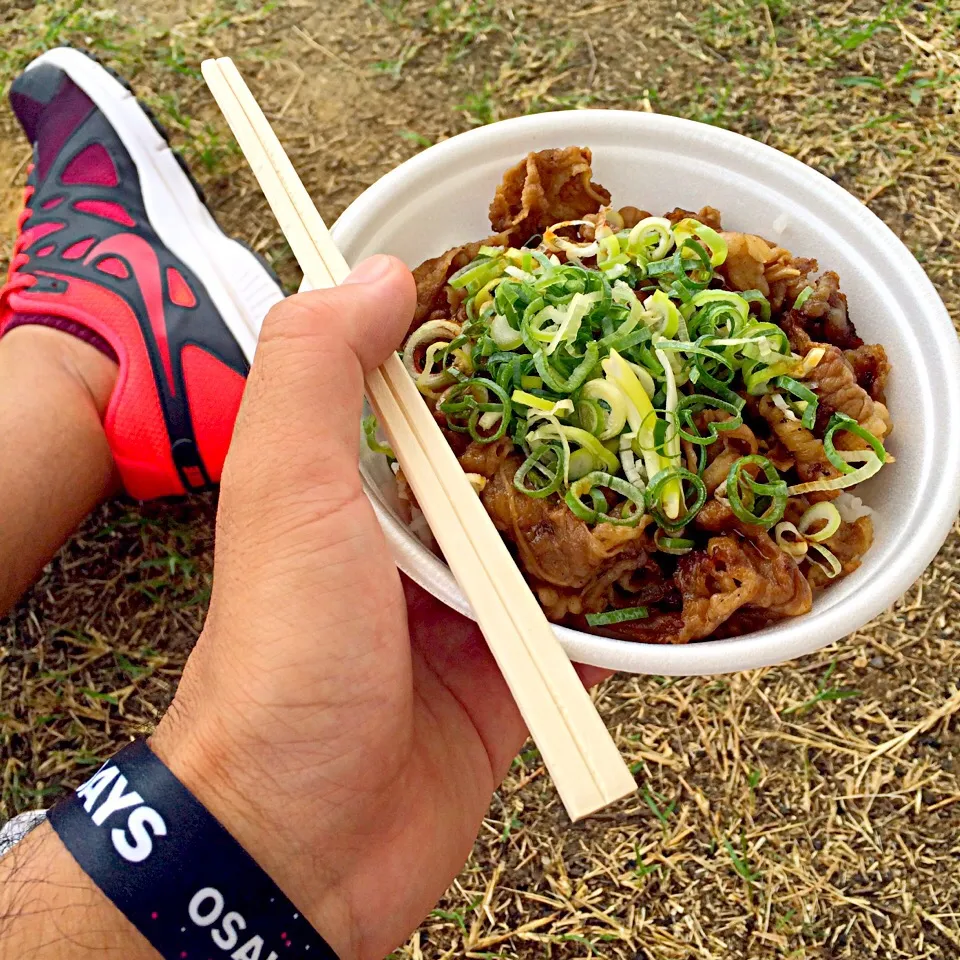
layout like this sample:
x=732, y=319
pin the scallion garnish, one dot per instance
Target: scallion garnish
x=675, y=477
x=370, y=435
x=758, y=504
x=545, y=467
x=840, y=421
x=805, y=395
x=630, y=511
x=467, y=404
x=616, y=616
x=613, y=359
x=802, y=297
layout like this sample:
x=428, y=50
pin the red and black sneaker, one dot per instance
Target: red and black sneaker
x=117, y=247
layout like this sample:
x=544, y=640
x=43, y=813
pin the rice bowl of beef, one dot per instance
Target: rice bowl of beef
x=743, y=583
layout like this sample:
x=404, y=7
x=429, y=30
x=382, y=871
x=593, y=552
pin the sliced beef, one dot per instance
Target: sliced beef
x=433, y=297
x=708, y=216
x=554, y=546
x=753, y=263
x=784, y=292
x=735, y=573
x=631, y=216
x=729, y=447
x=810, y=459
x=822, y=317
x=543, y=189
x=848, y=545
x=871, y=367
x=835, y=384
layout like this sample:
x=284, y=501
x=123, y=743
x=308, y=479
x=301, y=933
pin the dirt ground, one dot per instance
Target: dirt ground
x=808, y=810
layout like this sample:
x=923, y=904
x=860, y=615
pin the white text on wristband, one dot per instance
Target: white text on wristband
x=174, y=870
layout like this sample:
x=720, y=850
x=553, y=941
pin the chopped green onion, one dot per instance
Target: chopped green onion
x=556, y=408
x=535, y=465
x=584, y=367
x=616, y=616
x=580, y=437
x=484, y=296
x=797, y=540
x=370, y=434
x=802, y=297
x=757, y=377
x=826, y=512
x=569, y=325
x=687, y=271
x=832, y=566
x=744, y=493
x=794, y=545
x=560, y=384
x=840, y=421
x=812, y=357
x=577, y=507
x=504, y=336
x=628, y=460
x=871, y=466
x=689, y=227
x=718, y=313
x=692, y=404
x=598, y=512
x=554, y=241
x=670, y=476
x=675, y=546
x=755, y=296
x=649, y=231
x=581, y=463
x=462, y=399
x=640, y=412
x=590, y=415
x=663, y=315
x=614, y=418
x=431, y=336
x=477, y=273
x=670, y=452
x=804, y=394
x=706, y=378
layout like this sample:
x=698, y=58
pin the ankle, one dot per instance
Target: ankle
x=93, y=371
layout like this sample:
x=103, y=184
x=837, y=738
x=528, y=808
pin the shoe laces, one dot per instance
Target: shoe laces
x=16, y=279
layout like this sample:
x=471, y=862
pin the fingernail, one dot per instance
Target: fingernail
x=371, y=270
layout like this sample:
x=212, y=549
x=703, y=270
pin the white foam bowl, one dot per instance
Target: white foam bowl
x=439, y=199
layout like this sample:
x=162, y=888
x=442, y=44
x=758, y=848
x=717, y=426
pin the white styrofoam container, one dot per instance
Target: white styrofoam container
x=439, y=199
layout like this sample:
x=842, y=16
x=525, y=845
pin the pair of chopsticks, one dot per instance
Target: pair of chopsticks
x=576, y=748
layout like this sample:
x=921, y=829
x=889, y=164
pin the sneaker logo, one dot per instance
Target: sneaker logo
x=146, y=270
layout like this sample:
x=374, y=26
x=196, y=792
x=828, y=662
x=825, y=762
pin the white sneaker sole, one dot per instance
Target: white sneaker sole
x=241, y=289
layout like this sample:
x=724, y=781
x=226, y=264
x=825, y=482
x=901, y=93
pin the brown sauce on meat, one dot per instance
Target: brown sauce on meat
x=736, y=579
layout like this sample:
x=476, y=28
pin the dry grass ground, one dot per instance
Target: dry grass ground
x=809, y=810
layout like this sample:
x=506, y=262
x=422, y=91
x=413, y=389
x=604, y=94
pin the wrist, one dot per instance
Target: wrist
x=216, y=764
x=50, y=909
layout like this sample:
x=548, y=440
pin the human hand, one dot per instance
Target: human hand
x=346, y=727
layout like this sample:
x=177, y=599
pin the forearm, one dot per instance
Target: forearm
x=50, y=909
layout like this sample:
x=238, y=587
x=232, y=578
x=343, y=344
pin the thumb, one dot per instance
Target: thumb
x=297, y=431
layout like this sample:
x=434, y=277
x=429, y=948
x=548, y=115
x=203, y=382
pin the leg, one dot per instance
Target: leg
x=56, y=464
x=122, y=291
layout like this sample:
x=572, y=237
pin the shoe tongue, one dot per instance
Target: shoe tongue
x=50, y=107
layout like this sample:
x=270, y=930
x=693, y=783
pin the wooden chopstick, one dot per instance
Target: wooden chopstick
x=576, y=748
x=587, y=728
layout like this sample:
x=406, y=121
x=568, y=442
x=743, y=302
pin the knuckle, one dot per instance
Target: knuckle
x=304, y=315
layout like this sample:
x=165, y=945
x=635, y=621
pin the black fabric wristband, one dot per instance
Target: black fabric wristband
x=173, y=870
